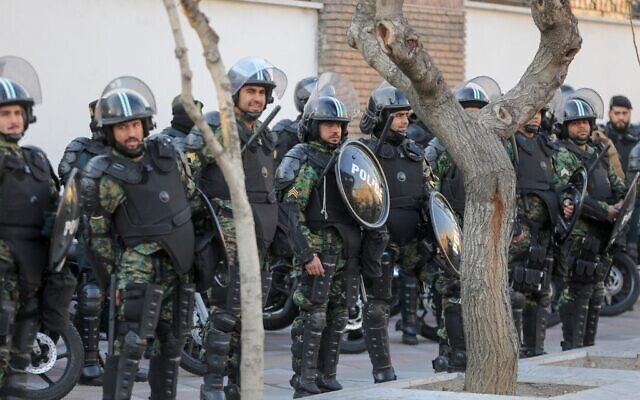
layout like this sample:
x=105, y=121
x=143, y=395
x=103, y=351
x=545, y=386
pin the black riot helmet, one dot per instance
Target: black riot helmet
x=303, y=91
x=470, y=96
x=578, y=109
x=125, y=99
x=384, y=101
x=96, y=133
x=259, y=72
x=19, y=85
x=327, y=108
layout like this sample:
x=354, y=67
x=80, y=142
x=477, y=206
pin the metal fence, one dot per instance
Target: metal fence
x=603, y=8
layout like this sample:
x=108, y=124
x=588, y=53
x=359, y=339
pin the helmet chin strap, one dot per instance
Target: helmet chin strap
x=13, y=137
x=579, y=141
x=248, y=116
x=530, y=128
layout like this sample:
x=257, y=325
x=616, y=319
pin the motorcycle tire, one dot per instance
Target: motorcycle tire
x=622, y=286
x=51, y=350
x=192, y=356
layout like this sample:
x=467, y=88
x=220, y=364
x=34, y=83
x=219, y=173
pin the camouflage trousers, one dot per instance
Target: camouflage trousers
x=156, y=268
x=21, y=262
x=411, y=261
x=330, y=315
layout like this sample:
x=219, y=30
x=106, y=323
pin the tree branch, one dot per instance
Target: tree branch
x=229, y=160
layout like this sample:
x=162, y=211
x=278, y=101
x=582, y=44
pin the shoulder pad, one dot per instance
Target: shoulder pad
x=413, y=150
x=194, y=140
x=286, y=125
x=163, y=144
x=634, y=159
x=290, y=166
x=433, y=150
x=77, y=144
x=96, y=166
x=39, y=163
x=213, y=119
x=33, y=149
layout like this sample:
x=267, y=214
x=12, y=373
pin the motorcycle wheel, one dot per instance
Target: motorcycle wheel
x=192, y=357
x=279, y=310
x=352, y=341
x=56, y=364
x=621, y=287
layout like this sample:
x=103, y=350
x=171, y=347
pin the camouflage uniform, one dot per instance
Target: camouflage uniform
x=316, y=331
x=149, y=284
x=531, y=257
x=583, y=264
x=24, y=251
x=223, y=328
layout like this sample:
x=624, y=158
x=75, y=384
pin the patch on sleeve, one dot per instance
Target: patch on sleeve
x=564, y=172
x=293, y=192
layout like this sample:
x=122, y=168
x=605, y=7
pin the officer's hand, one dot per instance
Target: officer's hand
x=567, y=208
x=314, y=267
x=612, y=212
x=118, y=300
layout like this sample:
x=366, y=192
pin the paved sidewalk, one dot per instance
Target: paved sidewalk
x=355, y=370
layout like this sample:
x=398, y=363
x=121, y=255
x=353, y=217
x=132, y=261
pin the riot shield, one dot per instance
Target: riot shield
x=362, y=184
x=66, y=223
x=447, y=232
x=575, y=190
x=215, y=234
x=109, y=106
x=258, y=68
x=624, y=216
x=23, y=73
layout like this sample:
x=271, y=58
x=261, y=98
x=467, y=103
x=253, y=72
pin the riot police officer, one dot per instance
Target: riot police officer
x=409, y=179
x=181, y=123
x=90, y=297
x=324, y=235
x=138, y=197
x=285, y=132
x=254, y=84
x=584, y=264
x=28, y=193
x=531, y=247
x=472, y=95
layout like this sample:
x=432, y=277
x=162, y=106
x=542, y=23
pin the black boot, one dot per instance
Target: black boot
x=409, y=303
x=441, y=363
x=305, y=383
x=534, y=329
x=330, y=351
x=216, y=356
x=109, y=378
x=455, y=335
x=88, y=323
x=376, y=336
x=573, y=314
x=518, y=302
x=164, y=367
x=595, y=305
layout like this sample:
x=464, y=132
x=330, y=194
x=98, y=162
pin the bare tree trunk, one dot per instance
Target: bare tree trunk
x=387, y=42
x=229, y=160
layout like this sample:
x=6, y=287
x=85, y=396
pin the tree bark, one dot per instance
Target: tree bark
x=229, y=160
x=474, y=140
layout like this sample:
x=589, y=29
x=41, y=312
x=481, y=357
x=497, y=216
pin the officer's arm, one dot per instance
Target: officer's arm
x=618, y=187
x=190, y=188
x=295, y=198
x=443, y=163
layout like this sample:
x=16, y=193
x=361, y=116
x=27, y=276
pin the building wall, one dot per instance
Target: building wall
x=78, y=46
x=501, y=42
x=439, y=23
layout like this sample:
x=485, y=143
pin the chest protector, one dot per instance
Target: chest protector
x=535, y=171
x=452, y=188
x=326, y=209
x=598, y=187
x=25, y=194
x=259, y=167
x=402, y=166
x=156, y=208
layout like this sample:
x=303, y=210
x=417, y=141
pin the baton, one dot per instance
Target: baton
x=383, y=135
x=112, y=315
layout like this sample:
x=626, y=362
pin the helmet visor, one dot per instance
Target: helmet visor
x=122, y=86
x=331, y=84
x=258, y=70
x=20, y=71
x=484, y=83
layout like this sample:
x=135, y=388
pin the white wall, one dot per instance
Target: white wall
x=78, y=46
x=501, y=42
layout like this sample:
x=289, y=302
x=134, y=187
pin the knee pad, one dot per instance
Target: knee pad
x=518, y=301
x=376, y=313
x=141, y=308
x=217, y=351
x=183, y=304
x=225, y=322
x=317, y=320
x=90, y=300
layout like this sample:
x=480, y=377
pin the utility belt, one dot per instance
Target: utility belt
x=533, y=273
x=588, y=266
x=253, y=197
